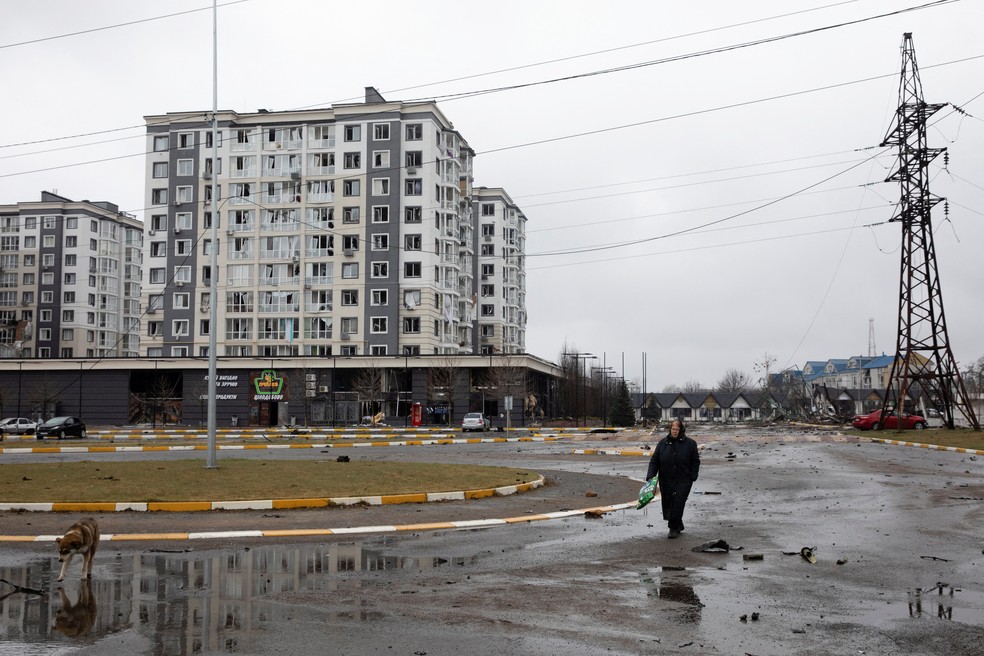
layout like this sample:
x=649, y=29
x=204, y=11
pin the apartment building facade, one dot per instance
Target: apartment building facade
x=342, y=231
x=69, y=279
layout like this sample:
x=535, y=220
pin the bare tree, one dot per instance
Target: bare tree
x=368, y=384
x=509, y=378
x=672, y=389
x=692, y=387
x=43, y=398
x=162, y=400
x=973, y=377
x=196, y=387
x=301, y=385
x=734, y=381
x=441, y=380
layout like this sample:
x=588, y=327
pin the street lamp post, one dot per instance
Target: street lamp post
x=604, y=372
x=578, y=357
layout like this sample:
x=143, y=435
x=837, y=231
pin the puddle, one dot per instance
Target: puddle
x=675, y=585
x=186, y=602
x=940, y=602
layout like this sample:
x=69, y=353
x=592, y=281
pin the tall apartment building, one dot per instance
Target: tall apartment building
x=349, y=230
x=69, y=279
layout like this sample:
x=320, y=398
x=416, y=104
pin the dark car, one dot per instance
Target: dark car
x=17, y=426
x=61, y=427
x=874, y=421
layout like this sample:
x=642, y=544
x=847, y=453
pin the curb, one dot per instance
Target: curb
x=431, y=526
x=933, y=447
x=612, y=452
x=272, y=504
x=245, y=447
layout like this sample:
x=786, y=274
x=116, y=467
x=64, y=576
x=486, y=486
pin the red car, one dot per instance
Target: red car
x=873, y=421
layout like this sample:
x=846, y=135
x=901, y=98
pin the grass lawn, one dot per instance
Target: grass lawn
x=959, y=437
x=236, y=480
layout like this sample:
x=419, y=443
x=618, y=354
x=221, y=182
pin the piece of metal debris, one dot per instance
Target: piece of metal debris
x=808, y=555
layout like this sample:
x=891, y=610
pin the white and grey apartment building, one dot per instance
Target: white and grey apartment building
x=69, y=279
x=349, y=230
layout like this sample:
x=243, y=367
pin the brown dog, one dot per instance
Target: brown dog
x=82, y=538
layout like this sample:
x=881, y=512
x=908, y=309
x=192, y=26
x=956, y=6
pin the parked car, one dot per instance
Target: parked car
x=17, y=426
x=873, y=421
x=61, y=427
x=475, y=421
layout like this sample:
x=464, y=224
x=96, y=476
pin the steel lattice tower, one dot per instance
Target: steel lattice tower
x=924, y=363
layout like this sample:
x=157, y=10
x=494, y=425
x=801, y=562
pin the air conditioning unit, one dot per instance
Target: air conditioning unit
x=348, y=252
x=345, y=337
x=151, y=233
x=295, y=259
x=206, y=175
x=411, y=170
x=176, y=203
x=151, y=311
x=177, y=231
x=24, y=302
x=307, y=286
x=295, y=175
x=180, y=283
x=230, y=232
x=324, y=388
x=488, y=237
x=485, y=276
x=204, y=308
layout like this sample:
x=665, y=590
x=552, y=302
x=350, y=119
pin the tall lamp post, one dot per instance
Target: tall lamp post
x=578, y=357
x=604, y=372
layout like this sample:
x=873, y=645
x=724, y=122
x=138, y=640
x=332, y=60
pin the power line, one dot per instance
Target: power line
x=635, y=242
x=112, y=27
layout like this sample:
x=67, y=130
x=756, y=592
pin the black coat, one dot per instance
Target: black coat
x=677, y=461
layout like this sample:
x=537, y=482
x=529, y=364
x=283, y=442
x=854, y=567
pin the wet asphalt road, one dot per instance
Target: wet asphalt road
x=907, y=524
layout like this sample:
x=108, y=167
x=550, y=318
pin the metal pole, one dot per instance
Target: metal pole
x=213, y=314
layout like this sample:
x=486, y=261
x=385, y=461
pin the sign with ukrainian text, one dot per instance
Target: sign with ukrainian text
x=269, y=386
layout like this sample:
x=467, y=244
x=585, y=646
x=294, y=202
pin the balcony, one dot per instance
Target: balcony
x=321, y=197
x=270, y=308
x=280, y=226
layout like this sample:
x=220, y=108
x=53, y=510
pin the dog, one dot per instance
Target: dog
x=76, y=619
x=81, y=538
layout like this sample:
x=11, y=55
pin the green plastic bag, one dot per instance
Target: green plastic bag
x=647, y=492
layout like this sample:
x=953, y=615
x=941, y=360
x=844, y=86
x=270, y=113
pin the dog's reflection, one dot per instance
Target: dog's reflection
x=76, y=619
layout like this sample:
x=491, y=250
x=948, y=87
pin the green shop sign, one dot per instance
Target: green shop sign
x=269, y=386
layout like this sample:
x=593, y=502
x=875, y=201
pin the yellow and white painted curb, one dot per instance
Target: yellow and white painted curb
x=933, y=447
x=613, y=452
x=273, y=504
x=248, y=447
x=308, y=532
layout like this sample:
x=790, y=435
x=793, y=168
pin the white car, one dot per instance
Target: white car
x=475, y=421
x=17, y=426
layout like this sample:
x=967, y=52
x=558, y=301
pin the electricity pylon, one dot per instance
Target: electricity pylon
x=924, y=364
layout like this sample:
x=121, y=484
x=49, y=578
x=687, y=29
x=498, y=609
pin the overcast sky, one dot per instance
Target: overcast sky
x=704, y=208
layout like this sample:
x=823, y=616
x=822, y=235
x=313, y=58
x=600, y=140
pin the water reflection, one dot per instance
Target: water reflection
x=673, y=584
x=189, y=602
x=76, y=619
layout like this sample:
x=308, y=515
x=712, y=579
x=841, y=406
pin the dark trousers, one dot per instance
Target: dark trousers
x=673, y=495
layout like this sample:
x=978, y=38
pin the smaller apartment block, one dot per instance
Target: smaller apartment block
x=69, y=279
x=348, y=231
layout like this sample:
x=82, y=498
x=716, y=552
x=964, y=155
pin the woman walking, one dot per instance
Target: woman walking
x=677, y=461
